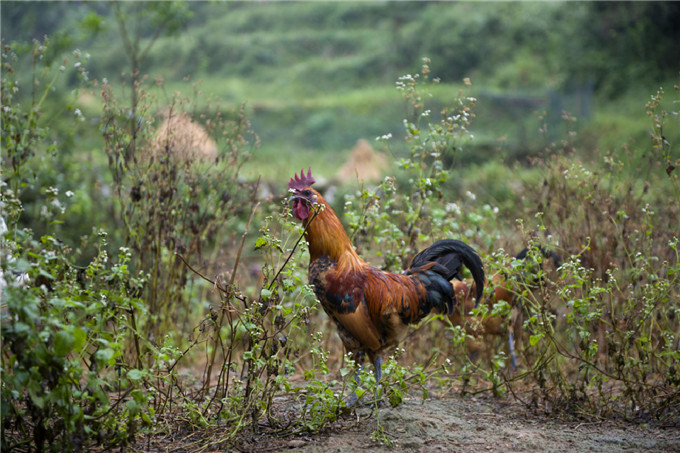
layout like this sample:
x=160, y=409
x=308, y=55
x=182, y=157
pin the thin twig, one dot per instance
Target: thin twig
x=254, y=206
x=271, y=285
x=186, y=263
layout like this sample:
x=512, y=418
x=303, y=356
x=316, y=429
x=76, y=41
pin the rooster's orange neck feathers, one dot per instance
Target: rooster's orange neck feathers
x=327, y=237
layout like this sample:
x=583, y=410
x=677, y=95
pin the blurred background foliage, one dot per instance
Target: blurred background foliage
x=316, y=77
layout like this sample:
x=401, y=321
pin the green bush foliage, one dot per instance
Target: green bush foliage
x=64, y=326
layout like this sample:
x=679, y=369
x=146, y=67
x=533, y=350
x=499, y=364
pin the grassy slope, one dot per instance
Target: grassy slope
x=316, y=77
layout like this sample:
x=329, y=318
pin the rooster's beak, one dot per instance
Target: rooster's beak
x=300, y=197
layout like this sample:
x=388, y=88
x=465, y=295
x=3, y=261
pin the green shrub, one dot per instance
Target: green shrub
x=64, y=327
x=603, y=331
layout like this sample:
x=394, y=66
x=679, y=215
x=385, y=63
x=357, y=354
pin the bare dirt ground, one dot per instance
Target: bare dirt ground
x=456, y=424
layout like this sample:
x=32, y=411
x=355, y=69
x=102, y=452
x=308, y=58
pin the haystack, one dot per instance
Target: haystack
x=183, y=138
x=365, y=163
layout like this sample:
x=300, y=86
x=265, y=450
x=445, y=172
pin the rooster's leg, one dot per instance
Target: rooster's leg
x=511, y=347
x=377, y=364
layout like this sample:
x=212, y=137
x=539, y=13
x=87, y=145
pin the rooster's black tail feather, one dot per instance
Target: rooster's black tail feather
x=448, y=256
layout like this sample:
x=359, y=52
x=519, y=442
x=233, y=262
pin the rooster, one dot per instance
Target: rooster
x=370, y=307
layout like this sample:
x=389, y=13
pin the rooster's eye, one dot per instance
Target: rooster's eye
x=307, y=193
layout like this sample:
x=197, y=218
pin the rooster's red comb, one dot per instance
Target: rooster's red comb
x=302, y=181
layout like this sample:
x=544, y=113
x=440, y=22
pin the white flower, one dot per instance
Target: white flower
x=57, y=204
x=452, y=207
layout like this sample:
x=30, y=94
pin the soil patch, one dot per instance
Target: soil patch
x=457, y=424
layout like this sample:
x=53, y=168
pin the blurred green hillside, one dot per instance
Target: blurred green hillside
x=318, y=76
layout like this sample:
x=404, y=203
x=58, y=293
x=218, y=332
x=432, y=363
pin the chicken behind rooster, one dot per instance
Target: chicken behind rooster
x=373, y=308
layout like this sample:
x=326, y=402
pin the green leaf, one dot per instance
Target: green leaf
x=105, y=355
x=534, y=339
x=135, y=375
x=36, y=393
x=146, y=420
x=45, y=274
x=288, y=283
x=21, y=266
x=20, y=328
x=396, y=398
x=63, y=343
x=133, y=406
x=260, y=242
